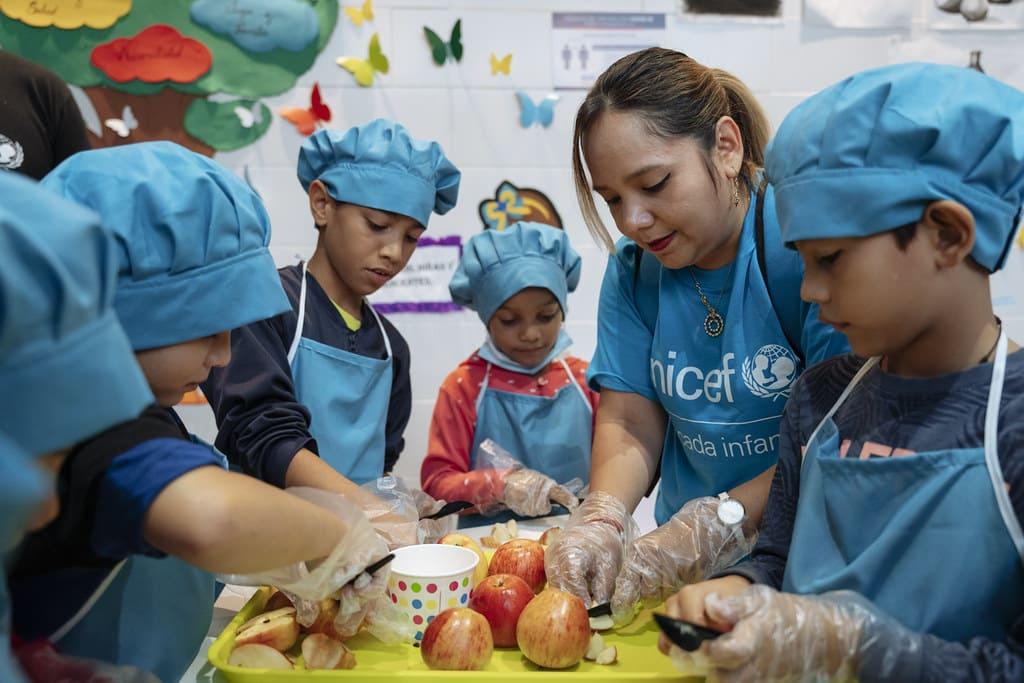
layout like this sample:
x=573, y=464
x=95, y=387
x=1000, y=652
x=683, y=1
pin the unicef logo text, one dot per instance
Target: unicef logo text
x=770, y=372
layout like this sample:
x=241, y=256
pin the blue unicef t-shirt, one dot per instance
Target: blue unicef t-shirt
x=724, y=395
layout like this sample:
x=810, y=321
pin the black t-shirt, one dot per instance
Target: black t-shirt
x=40, y=124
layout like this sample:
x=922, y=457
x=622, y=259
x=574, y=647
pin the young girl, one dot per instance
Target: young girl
x=147, y=516
x=893, y=524
x=519, y=389
x=320, y=395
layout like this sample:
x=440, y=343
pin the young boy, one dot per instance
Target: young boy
x=126, y=570
x=519, y=389
x=893, y=523
x=60, y=343
x=320, y=395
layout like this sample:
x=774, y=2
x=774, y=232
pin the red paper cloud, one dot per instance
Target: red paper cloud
x=158, y=53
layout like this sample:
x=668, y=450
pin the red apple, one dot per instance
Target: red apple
x=522, y=558
x=457, y=640
x=554, y=630
x=501, y=598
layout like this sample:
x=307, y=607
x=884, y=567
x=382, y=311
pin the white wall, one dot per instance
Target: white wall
x=475, y=117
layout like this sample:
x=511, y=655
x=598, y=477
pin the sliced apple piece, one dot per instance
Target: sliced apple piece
x=602, y=623
x=279, y=632
x=595, y=647
x=549, y=535
x=512, y=528
x=609, y=655
x=489, y=542
x=255, y=656
x=265, y=617
x=277, y=601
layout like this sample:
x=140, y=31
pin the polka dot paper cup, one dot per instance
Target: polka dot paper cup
x=428, y=579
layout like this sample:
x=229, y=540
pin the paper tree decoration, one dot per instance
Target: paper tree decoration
x=165, y=79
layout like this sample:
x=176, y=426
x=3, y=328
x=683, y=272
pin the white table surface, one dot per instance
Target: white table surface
x=233, y=598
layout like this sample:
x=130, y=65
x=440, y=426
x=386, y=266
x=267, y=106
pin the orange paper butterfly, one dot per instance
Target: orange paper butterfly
x=307, y=120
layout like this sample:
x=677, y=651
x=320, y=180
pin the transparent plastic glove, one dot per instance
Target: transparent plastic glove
x=689, y=547
x=315, y=580
x=510, y=485
x=585, y=558
x=531, y=494
x=386, y=622
x=356, y=600
x=43, y=664
x=783, y=637
x=392, y=510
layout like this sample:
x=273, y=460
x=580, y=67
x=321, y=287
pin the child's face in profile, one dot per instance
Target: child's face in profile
x=870, y=289
x=367, y=247
x=172, y=371
x=526, y=326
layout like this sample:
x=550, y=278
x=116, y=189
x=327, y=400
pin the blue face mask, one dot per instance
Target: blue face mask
x=490, y=353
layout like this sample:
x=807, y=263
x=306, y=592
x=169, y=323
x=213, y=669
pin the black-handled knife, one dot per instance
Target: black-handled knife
x=684, y=634
x=372, y=567
x=602, y=610
x=450, y=509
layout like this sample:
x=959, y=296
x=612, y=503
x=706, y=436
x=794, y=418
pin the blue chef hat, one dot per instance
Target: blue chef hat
x=496, y=266
x=871, y=152
x=67, y=371
x=193, y=240
x=381, y=166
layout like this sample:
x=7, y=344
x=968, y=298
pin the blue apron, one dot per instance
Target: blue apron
x=549, y=434
x=930, y=538
x=347, y=396
x=149, y=612
x=23, y=487
x=723, y=395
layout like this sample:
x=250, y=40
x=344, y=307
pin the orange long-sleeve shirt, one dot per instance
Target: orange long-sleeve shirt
x=445, y=472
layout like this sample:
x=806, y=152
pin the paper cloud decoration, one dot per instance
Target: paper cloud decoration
x=259, y=25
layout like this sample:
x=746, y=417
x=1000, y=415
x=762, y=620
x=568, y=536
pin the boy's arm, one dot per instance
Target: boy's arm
x=400, y=403
x=261, y=424
x=767, y=562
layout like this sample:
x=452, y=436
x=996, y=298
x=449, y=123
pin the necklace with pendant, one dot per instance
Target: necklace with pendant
x=714, y=323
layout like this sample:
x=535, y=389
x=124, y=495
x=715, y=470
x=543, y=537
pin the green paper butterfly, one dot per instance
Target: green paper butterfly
x=440, y=49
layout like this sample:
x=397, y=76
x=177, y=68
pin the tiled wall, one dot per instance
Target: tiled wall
x=475, y=117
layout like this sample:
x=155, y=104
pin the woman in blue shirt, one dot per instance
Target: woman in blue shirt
x=701, y=330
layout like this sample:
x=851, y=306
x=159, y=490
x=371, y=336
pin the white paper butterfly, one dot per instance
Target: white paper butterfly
x=247, y=118
x=124, y=125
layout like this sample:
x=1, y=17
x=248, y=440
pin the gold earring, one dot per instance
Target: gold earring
x=736, y=191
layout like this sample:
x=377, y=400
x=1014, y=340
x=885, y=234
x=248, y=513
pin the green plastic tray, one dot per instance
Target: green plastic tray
x=639, y=659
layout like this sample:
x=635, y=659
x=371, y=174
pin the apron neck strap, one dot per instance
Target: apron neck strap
x=995, y=471
x=576, y=385
x=301, y=322
x=864, y=369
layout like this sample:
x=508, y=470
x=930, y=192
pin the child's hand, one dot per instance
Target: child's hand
x=781, y=637
x=530, y=493
x=688, y=604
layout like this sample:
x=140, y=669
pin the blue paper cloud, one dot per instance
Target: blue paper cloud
x=259, y=25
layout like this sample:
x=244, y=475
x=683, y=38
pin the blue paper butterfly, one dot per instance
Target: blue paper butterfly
x=542, y=112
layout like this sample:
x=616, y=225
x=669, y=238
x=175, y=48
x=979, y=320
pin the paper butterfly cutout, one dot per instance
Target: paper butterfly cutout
x=124, y=125
x=542, y=112
x=307, y=120
x=247, y=118
x=358, y=15
x=503, y=65
x=364, y=69
x=440, y=50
